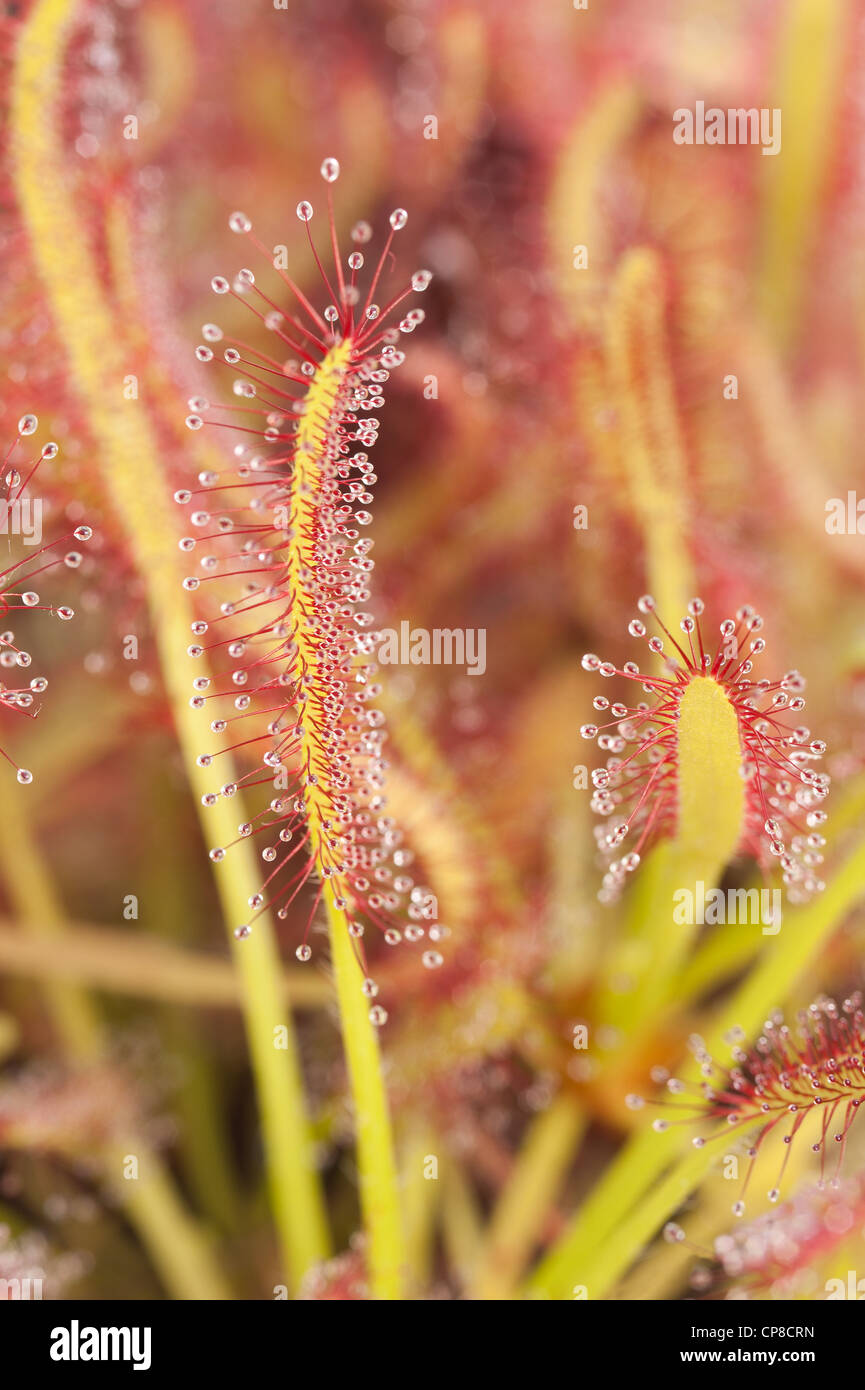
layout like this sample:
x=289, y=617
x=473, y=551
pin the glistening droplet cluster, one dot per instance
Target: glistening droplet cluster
x=278, y=536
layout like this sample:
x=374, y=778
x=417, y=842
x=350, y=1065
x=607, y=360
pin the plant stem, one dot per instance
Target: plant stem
x=376, y=1163
x=608, y=1258
x=641, y=383
x=527, y=1197
x=32, y=896
x=709, y=820
x=420, y=1202
x=807, y=86
x=119, y=962
x=462, y=1231
x=173, y=1240
x=138, y=489
x=607, y=1233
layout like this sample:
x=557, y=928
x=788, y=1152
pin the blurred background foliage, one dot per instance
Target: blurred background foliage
x=555, y=387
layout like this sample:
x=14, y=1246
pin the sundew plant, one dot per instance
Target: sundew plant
x=432, y=677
